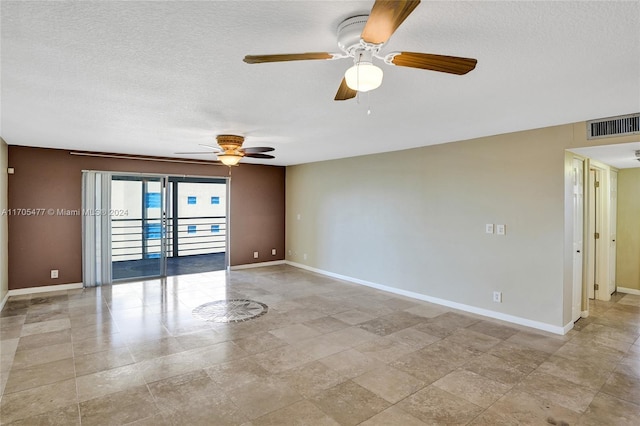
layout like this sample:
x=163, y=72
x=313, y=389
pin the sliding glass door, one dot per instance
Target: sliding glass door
x=197, y=224
x=138, y=226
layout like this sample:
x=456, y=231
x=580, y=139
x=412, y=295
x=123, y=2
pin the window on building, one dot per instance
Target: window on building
x=215, y=228
x=191, y=199
x=191, y=229
x=215, y=200
x=152, y=200
x=153, y=231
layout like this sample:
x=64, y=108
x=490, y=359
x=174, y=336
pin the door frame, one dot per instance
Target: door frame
x=164, y=205
x=579, y=309
x=174, y=180
x=613, y=227
x=598, y=255
x=89, y=270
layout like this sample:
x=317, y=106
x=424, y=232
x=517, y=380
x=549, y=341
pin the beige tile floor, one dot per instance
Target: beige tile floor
x=326, y=353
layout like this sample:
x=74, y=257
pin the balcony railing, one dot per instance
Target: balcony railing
x=137, y=238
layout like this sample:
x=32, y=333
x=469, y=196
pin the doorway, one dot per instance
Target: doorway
x=593, y=234
x=601, y=231
x=138, y=226
x=150, y=226
x=167, y=226
x=613, y=216
x=578, y=237
x=196, y=225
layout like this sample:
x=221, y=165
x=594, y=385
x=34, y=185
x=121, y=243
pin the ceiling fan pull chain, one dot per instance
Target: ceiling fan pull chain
x=358, y=73
x=358, y=76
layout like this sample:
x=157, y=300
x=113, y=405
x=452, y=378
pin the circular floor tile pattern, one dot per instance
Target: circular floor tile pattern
x=231, y=310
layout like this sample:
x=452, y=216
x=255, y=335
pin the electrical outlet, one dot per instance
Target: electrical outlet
x=273, y=252
x=54, y=273
x=488, y=228
x=290, y=253
x=304, y=256
x=255, y=254
x=497, y=296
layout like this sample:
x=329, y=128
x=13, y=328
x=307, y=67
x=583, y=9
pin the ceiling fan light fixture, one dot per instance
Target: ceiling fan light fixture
x=229, y=159
x=363, y=76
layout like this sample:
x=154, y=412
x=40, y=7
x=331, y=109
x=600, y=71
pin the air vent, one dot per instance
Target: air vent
x=614, y=126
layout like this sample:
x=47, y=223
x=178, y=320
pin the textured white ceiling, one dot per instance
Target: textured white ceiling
x=154, y=78
x=622, y=156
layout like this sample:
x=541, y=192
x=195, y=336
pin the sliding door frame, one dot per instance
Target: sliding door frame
x=101, y=254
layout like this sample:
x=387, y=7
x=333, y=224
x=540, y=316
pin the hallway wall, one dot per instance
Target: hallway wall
x=414, y=221
x=628, y=232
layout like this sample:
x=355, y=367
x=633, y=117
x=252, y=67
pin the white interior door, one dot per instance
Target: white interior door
x=613, y=212
x=593, y=229
x=578, y=236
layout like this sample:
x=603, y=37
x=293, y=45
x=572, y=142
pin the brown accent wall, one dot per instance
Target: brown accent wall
x=52, y=178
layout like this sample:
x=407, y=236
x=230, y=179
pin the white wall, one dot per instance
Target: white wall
x=4, y=228
x=415, y=221
x=628, y=241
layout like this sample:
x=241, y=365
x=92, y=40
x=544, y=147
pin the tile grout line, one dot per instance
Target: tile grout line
x=75, y=372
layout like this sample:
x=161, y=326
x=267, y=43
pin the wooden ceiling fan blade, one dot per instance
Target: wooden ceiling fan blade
x=257, y=149
x=258, y=155
x=385, y=18
x=345, y=92
x=259, y=59
x=427, y=61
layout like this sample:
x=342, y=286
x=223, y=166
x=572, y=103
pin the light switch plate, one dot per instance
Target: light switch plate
x=489, y=228
x=501, y=229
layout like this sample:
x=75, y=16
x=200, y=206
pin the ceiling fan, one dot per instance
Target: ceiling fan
x=229, y=150
x=362, y=38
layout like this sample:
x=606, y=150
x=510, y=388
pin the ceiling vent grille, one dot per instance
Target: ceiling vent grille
x=614, y=126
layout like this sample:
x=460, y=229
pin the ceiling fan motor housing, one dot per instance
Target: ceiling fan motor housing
x=230, y=143
x=349, y=32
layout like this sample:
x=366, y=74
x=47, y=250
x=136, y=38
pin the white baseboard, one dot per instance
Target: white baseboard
x=567, y=328
x=628, y=290
x=258, y=265
x=460, y=306
x=44, y=289
x=4, y=300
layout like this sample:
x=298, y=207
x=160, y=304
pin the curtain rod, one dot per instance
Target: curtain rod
x=144, y=158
